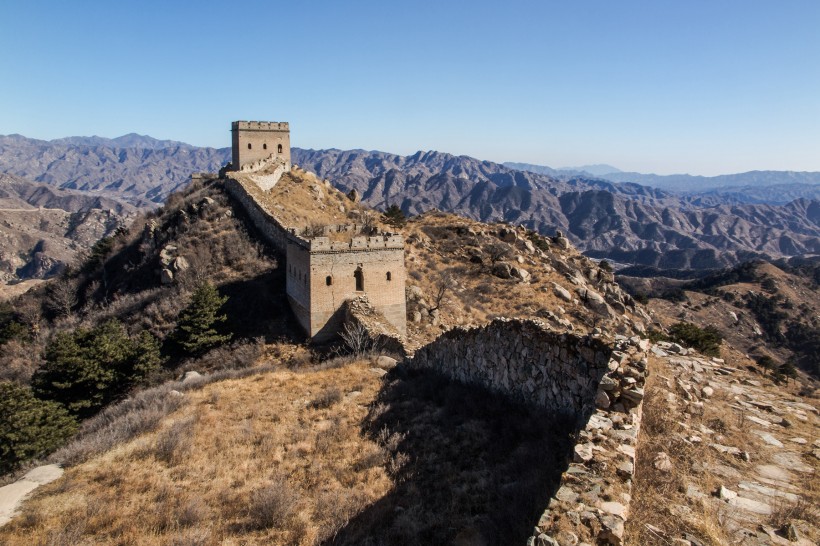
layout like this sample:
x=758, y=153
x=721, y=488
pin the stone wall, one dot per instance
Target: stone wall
x=525, y=360
x=263, y=219
x=596, y=382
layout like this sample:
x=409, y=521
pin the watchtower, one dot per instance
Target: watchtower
x=255, y=140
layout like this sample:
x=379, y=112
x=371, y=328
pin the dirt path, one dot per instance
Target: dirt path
x=13, y=494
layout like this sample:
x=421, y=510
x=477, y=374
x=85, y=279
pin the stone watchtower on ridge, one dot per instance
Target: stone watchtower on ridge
x=324, y=272
x=254, y=141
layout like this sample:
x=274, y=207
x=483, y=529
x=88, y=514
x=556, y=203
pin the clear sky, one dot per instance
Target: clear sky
x=698, y=86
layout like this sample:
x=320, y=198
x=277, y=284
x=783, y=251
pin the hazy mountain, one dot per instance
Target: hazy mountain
x=600, y=169
x=689, y=183
x=584, y=170
x=141, y=170
x=624, y=222
x=740, y=185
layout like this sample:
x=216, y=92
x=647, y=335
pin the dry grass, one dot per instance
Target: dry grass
x=331, y=454
x=245, y=461
x=661, y=510
x=303, y=201
x=455, y=252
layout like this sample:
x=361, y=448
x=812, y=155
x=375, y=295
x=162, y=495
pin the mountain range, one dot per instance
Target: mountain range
x=769, y=187
x=622, y=221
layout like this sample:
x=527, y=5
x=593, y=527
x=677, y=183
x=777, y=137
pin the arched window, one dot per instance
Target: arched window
x=279, y=149
x=389, y=276
x=359, y=275
x=328, y=280
x=265, y=146
x=249, y=146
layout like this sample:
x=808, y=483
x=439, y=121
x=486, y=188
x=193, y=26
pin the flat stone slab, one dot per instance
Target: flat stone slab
x=767, y=491
x=750, y=505
x=769, y=439
x=792, y=462
x=13, y=494
x=775, y=473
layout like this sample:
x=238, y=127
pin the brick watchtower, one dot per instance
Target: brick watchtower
x=255, y=140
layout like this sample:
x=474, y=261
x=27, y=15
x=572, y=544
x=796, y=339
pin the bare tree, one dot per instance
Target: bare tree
x=314, y=230
x=368, y=223
x=356, y=338
x=62, y=297
x=498, y=252
x=442, y=289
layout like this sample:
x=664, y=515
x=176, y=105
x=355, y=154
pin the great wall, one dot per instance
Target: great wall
x=594, y=381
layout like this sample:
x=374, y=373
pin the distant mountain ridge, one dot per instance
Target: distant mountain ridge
x=772, y=187
x=625, y=221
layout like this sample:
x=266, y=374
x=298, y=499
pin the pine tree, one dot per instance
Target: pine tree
x=196, y=327
x=787, y=370
x=86, y=369
x=395, y=216
x=29, y=427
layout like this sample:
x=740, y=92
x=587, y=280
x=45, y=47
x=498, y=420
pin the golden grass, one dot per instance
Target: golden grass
x=254, y=460
x=439, y=252
x=301, y=200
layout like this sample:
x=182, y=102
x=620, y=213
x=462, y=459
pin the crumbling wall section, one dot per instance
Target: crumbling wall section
x=360, y=317
x=596, y=381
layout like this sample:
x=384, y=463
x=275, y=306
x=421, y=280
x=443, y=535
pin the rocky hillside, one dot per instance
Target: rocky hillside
x=43, y=228
x=770, y=313
x=622, y=222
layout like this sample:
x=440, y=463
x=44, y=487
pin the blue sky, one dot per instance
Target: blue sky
x=704, y=87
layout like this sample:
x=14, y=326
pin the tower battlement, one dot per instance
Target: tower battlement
x=253, y=141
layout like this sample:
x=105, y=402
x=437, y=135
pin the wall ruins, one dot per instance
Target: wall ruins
x=596, y=382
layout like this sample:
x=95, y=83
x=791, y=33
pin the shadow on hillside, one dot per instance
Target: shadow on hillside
x=479, y=469
x=258, y=307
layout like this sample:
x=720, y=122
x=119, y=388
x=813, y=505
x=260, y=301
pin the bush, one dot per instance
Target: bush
x=706, y=340
x=29, y=427
x=768, y=285
x=86, y=369
x=272, y=505
x=196, y=332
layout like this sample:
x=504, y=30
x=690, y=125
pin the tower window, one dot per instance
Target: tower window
x=389, y=276
x=359, y=275
x=265, y=146
x=249, y=146
x=279, y=148
x=328, y=280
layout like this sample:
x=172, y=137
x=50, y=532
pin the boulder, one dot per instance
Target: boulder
x=191, y=377
x=180, y=264
x=502, y=270
x=521, y=274
x=166, y=276
x=561, y=292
